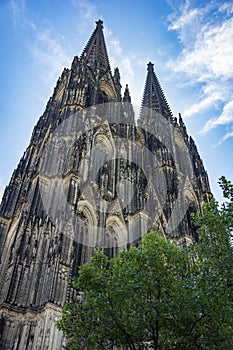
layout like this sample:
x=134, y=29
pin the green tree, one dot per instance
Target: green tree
x=159, y=295
x=213, y=270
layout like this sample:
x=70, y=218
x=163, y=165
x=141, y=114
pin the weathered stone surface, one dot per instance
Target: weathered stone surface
x=115, y=191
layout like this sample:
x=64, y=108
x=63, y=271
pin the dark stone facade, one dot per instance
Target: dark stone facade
x=154, y=178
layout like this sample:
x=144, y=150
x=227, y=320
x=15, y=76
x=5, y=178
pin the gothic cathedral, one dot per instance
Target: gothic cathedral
x=95, y=175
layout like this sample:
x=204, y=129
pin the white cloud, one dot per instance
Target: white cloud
x=49, y=52
x=211, y=54
x=117, y=58
x=203, y=105
x=228, y=7
x=225, y=118
x=127, y=70
x=185, y=19
x=228, y=135
x=18, y=10
x=175, y=4
x=47, y=49
x=206, y=36
x=114, y=46
x=20, y=15
x=88, y=9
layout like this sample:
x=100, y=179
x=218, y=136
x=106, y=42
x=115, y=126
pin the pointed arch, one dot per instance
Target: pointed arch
x=116, y=232
x=86, y=233
x=107, y=87
x=87, y=213
x=102, y=152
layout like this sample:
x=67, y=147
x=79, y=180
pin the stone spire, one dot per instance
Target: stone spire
x=96, y=70
x=153, y=96
x=95, y=53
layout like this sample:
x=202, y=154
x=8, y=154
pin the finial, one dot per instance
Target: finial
x=74, y=63
x=99, y=24
x=126, y=97
x=150, y=67
x=116, y=70
x=117, y=75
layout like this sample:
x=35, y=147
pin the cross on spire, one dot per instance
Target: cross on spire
x=99, y=24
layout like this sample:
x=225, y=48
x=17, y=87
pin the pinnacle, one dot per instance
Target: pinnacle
x=126, y=97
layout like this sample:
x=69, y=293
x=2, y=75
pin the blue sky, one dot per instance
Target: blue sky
x=190, y=43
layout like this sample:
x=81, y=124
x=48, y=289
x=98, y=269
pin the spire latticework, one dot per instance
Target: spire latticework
x=95, y=53
x=153, y=96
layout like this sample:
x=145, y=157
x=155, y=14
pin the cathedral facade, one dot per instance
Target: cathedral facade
x=94, y=176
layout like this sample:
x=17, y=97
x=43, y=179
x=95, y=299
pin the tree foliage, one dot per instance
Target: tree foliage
x=159, y=295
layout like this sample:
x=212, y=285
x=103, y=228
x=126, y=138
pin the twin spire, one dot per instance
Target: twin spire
x=96, y=58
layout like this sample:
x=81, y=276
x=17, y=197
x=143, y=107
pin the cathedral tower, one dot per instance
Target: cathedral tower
x=91, y=177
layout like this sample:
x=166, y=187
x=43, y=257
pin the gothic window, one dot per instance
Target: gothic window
x=87, y=224
x=103, y=98
x=99, y=158
x=88, y=96
x=101, y=153
x=116, y=234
